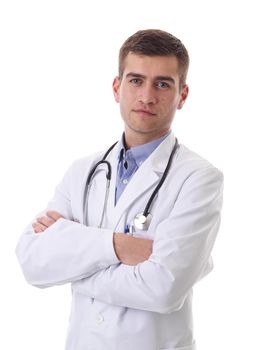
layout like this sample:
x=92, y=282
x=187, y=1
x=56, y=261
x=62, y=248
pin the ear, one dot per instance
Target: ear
x=184, y=94
x=116, y=88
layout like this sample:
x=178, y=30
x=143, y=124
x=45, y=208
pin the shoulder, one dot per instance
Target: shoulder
x=84, y=164
x=198, y=179
x=192, y=169
x=192, y=162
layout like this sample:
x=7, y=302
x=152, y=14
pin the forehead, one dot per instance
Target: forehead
x=151, y=66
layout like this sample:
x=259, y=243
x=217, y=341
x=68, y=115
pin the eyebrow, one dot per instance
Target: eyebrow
x=158, y=77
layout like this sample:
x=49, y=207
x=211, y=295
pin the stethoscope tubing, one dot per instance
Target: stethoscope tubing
x=157, y=188
x=108, y=176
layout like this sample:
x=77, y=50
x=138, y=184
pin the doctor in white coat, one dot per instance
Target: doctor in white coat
x=132, y=290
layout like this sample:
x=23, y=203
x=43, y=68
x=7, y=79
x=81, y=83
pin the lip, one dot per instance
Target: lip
x=143, y=111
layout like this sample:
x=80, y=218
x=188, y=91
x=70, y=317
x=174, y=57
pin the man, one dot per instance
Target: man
x=132, y=276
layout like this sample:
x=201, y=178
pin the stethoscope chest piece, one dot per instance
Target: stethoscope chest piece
x=142, y=222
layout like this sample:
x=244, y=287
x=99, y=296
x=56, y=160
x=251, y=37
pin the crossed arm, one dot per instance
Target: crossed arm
x=129, y=250
x=155, y=277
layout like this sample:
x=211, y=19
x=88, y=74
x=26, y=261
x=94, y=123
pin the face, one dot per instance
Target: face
x=149, y=96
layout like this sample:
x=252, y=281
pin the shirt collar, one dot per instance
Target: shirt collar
x=139, y=153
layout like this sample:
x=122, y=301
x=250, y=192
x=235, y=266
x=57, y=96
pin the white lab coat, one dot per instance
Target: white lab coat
x=120, y=307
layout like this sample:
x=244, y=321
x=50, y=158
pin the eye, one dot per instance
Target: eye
x=135, y=81
x=162, y=85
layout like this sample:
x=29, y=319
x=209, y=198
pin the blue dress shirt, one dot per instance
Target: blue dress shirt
x=130, y=160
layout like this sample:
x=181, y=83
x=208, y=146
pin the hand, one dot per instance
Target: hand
x=132, y=250
x=43, y=222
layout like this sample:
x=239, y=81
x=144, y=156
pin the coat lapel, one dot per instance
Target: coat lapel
x=144, y=180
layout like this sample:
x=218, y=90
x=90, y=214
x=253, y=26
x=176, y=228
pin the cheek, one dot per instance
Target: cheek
x=124, y=105
x=126, y=99
x=174, y=103
x=168, y=104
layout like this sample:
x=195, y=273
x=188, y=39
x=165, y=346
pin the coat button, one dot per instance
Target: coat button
x=99, y=319
x=125, y=181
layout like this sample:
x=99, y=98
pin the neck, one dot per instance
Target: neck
x=132, y=140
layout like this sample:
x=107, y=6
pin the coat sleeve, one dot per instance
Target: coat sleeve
x=180, y=257
x=66, y=251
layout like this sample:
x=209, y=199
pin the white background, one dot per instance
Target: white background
x=58, y=60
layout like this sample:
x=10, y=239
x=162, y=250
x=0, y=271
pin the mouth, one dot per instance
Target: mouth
x=144, y=112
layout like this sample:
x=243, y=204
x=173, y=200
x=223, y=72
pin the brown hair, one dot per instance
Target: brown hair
x=155, y=42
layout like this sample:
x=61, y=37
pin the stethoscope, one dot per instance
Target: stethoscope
x=142, y=220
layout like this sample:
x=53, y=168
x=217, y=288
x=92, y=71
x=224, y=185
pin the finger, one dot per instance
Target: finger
x=46, y=221
x=54, y=215
x=38, y=228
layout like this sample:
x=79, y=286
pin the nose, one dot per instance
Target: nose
x=147, y=94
